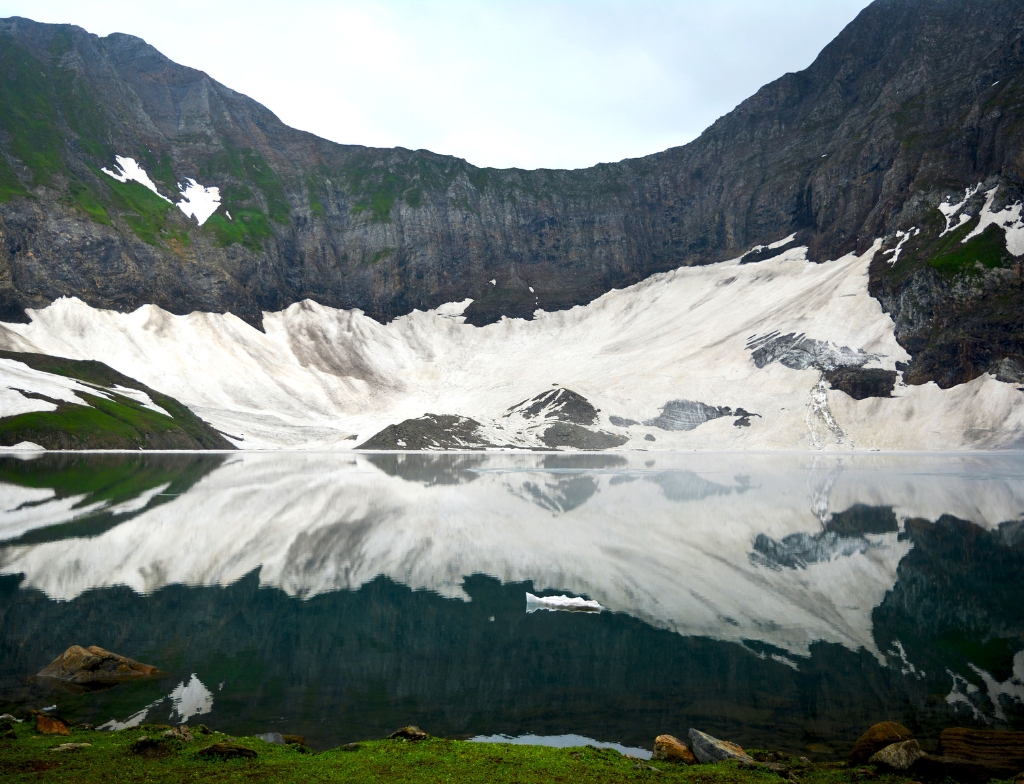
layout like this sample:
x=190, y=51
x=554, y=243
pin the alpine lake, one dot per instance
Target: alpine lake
x=781, y=601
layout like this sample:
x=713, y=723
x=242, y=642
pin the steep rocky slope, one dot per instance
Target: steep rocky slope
x=914, y=102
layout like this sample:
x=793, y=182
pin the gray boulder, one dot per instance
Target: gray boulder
x=708, y=749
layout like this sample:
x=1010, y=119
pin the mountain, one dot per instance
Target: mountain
x=899, y=145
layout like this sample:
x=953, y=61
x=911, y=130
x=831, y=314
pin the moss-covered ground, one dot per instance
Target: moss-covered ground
x=30, y=757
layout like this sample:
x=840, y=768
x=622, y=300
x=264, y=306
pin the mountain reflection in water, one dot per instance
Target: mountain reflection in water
x=785, y=600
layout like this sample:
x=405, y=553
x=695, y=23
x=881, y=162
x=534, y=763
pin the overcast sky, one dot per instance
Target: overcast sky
x=501, y=83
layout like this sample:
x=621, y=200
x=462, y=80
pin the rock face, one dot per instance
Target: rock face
x=988, y=747
x=708, y=749
x=898, y=756
x=913, y=101
x=668, y=748
x=94, y=666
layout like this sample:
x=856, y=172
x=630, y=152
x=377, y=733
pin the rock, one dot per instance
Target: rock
x=877, y=738
x=272, y=737
x=71, y=747
x=933, y=768
x=94, y=666
x=181, y=733
x=670, y=749
x=9, y=717
x=350, y=747
x=898, y=756
x=708, y=749
x=295, y=740
x=408, y=733
x=988, y=747
x=202, y=729
x=51, y=725
x=227, y=750
x=151, y=748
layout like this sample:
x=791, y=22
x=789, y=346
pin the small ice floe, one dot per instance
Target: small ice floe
x=568, y=603
x=197, y=201
x=130, y=171
x=23, y=446
x=493, y=281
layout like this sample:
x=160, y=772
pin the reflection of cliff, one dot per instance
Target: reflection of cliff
x=350, y=665
x=955, y=618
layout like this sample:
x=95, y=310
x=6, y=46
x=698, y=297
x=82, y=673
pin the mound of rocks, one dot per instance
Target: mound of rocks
x=94, y=666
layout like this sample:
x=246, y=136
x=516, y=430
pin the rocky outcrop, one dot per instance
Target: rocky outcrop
x=51, y=725
x=94, y=666
x=878, y=737
x=227, y=750
x=988, y=747
x=411, y=732
x=708, y=749
x=668, y=748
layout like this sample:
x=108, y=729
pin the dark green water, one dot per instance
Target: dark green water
x=785, y=601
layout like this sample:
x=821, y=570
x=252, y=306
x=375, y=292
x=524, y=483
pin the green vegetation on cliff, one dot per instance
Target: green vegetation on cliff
x=111, y=421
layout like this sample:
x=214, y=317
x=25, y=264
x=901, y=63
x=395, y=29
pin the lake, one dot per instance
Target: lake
x=778, y=600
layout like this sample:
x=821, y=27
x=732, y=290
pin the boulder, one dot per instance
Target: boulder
x=227, y=750
x=294, y=740
x=181, y=733
x=877, y=738
x=51, y=725
x=897, y=756
x=94, y=666
x=272, y=737
x=935, y=768
x=668, y=748
x=708, y=749
x=71, y=747
x=990, y=747
x=408, y=733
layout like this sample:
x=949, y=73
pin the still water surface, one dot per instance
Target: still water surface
x=778, y=600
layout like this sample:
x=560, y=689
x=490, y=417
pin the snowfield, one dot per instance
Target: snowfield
x=680, y=341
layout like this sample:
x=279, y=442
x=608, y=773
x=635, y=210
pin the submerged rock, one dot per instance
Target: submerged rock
x=94, y=666
x=668, y=748
x=879, y=736
x=411, y=732
x=708, y=749
x=898, y=756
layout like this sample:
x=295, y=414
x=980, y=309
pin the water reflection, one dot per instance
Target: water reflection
x=751, y=595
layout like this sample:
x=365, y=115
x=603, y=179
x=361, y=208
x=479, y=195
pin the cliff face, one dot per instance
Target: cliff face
x=912, y=102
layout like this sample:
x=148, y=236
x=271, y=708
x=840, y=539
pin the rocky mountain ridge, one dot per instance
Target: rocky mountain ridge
x=913, y=102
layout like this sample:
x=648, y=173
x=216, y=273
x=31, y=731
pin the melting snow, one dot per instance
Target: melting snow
x=949, y=210
x=199, y=202
x=1008, y=219
x=902, y=236
x=139, y=397
x=130, y=171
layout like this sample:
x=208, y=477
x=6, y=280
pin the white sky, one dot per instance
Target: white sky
x=558, y=83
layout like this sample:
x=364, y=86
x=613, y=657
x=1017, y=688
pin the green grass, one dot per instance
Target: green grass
x=29, y=113
x=248, y=227
x=10, y=185
x=28, y=757
x=86, y=201
x=121, y=423
x=142, y=209
x=988, y=250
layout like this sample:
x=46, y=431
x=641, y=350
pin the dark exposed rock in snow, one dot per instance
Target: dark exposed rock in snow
x=561, y=404
x=431, y=431
x=860, y=383
x=565, y=434
x=686, y=415
x=799, y=352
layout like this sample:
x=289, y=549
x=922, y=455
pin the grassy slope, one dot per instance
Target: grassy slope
x=106, y=424
x=28, y=758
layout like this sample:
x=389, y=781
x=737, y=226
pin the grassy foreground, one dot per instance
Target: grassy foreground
x=30, y=757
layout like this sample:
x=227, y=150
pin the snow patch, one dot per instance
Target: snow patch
x=23, y=446
x=139, y=397
x=784, y=241
x=902, y=236
x=949, y=210
x=1008, y=219
x=128, y=170
x=199, y=202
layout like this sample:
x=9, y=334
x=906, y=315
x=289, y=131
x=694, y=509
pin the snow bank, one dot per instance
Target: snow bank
x=574, y=603
x=319, y=377
x=197, y=201
x=128, y=170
